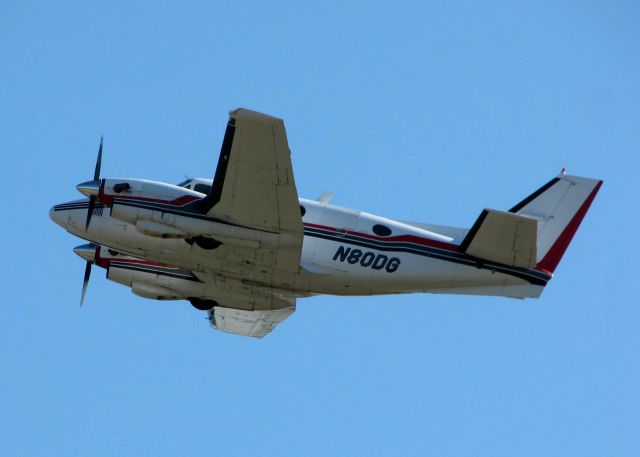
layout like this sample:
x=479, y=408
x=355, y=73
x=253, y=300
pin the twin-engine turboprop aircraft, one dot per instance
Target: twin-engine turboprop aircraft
x=244, y=247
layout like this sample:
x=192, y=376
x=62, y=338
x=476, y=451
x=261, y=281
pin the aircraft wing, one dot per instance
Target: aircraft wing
x=253, y=185
x=240, y=308
x=253, y=322
x=247, y=323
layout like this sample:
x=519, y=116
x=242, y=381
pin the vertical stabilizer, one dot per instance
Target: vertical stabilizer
x=559, y=206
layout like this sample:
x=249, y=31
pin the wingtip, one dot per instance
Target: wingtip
x=247, y=114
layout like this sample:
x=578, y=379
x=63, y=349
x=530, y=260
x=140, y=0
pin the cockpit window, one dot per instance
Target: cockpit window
x=184, y=183
x=202, y=188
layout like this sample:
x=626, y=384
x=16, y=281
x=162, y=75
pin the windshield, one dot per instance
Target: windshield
x=202, y=188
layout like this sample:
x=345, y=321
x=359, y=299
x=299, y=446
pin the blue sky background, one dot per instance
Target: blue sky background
x=426, y=112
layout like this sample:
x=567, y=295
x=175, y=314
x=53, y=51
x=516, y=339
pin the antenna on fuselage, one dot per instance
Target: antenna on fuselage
x=325, y=197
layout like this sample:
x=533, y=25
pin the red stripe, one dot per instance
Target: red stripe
x=554, y=255
x=107, y=199
x=399, y=238
x=180, y=201
x=104, y=262
x=144, y=262
x=102, y=197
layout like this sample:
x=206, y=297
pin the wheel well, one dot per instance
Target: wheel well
x=202, y=304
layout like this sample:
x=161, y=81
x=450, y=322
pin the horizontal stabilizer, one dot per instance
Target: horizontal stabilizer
x=503, y=237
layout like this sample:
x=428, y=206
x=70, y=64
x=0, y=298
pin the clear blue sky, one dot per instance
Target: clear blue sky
x=426, y=113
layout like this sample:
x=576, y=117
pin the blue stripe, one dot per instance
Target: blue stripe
x=532, y=276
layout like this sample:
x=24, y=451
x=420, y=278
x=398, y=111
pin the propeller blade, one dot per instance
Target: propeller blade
x=85, y=283
x=92, y=204
x=90, y=187
x=96, y=173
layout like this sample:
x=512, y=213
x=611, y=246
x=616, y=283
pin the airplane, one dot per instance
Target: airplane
x=244, y=247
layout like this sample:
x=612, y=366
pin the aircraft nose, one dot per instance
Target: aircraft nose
x=57, y=216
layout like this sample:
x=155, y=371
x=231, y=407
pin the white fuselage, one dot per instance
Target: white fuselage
x=344, y=252
x=243, y=246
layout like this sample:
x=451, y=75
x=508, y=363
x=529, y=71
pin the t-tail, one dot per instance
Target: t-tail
x=536, y=232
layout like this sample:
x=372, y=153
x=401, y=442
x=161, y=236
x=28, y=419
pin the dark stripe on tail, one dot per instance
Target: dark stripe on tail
x=214, y=196
x=533, y=196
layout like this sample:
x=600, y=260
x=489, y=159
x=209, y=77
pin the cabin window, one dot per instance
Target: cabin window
x=202, y=188
x=381, y=230
x=303, y=210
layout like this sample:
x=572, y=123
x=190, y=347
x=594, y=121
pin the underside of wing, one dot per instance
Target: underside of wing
x=254, y=186
x=256, y=322
x=233, y=305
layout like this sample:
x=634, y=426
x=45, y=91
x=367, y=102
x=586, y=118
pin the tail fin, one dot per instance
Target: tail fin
x=559, y=207
x=536, y=232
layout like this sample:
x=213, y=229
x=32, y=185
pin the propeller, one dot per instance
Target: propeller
x=85, y=282
x=91, y=188
x=88, y=253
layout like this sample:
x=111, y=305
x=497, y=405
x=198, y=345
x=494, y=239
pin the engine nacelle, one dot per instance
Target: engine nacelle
x=141, y=204
x=118, y=192
x=142, y=188
x=154, y=292
x=154, y=281
x=159, y=230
